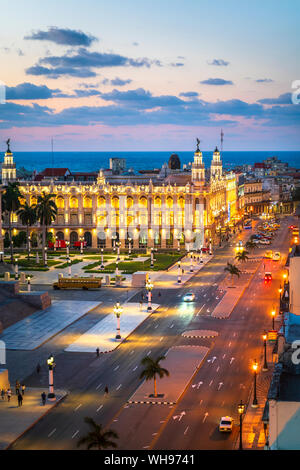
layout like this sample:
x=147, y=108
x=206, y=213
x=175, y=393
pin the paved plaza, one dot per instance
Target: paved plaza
x=33, y=331
x=102, y=335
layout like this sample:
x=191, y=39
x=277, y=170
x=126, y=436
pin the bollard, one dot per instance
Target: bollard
x=7, y=277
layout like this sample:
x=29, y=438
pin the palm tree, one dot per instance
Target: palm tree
x=152, y=369
x=233, y=271
x=28, y=217
x=242, y=256
x=97, y=437
x=11, y=204
x=46, y=211
x=250, y=245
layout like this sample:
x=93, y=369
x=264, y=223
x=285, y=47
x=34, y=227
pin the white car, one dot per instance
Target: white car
x=226, y=424
x=189, y=297
x=264, y=241
x=276, y=256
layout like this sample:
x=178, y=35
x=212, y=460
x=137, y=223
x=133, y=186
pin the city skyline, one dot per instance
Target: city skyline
x=134, y=78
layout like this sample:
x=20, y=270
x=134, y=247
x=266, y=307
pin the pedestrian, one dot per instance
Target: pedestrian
x=159, y=294
x=17, y=387
x=8, y=394
x=38, y=368
x=20, y=399
x=43, y=395
x=182, y=271
x=141, y=305
x=23, y=389
x=98, y=352
x=106, y=390
x=2, y=393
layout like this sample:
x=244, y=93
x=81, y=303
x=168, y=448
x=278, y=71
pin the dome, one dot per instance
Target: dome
x=174, y=162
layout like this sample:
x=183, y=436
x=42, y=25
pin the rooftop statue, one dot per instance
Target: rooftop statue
x=8, y=143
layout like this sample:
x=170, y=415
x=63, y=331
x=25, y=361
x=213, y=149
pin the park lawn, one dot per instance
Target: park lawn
x=163, y=262
x=65, y=265
x=25, y=263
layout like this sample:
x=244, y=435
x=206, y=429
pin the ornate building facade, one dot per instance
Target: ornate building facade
x=182, y=208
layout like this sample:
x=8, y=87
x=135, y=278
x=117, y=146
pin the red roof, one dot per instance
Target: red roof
x=259, y=165
x=55, y=172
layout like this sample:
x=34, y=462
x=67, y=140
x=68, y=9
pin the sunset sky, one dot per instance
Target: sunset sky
x=135, y=75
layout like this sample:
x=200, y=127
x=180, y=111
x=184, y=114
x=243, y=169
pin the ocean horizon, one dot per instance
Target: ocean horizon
x=93, y=161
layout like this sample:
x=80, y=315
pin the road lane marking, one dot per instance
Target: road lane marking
x=161, y=338
x=75, y=434
x=205, y=416
x=229, y=344
x=98, y=386
x=77, y=407
x=132, y=352
x=218, y=368
x=100, y=407
x=224, y=356
x=149, y=352
x=210, y=383
x=116, y=368
x=186, y=430
x=118, y=388
x=135, y=368
x=220, y=385
x=52, y=432
x=172, y=326
x=231, y=360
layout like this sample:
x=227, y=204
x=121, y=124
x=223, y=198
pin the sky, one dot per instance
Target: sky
x=139, y=75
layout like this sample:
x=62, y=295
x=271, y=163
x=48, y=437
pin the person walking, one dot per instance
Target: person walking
x=38, y=368
x=23, y=389
x=43, y=395
x=8, y=394
x=106, y=390
x=98, y=352
x=159, y=294
x=141, y=305
x=17, y=387
x=2, y=393
x=20, y=399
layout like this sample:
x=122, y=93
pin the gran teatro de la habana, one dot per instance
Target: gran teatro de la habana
x=167, y=208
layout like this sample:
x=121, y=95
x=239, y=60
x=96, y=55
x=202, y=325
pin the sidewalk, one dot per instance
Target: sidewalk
x=16, y=420
x=102, y=335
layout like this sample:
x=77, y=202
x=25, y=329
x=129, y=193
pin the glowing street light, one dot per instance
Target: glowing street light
x=68, y=249
x=273, y=313
x=81, y=245
x=284, y=278
x=152, y=258
x=102, y=259
x=191, y=266
x=149, y=287
x=179, y=273
x=118, y=310
x=265, y=366
x=70, y=267
x=46, y=258
x=118, y=244
x=129, y=245
x=16, y=270
x=51, y=365
x=241, y=410
x=254, y=368
x=114, y=238
x=28, y=284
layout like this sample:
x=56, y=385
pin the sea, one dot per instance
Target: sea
x=94, y=161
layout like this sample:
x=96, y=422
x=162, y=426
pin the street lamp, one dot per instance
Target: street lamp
x=179, y=273
x=241, y=410
x=118, y=246
x=114, y=237
x=68, y=249
x=29, y=246
x=129, y=245
x=151, y=257
x=191, y=266
x=201, y=255
x=102, y=259
x=284, y=278
x=254, y=368
x=70, y=267
x=117, y=268
x=265, y=366
x=56, y=238
x=118, y=310
x=210, y=247
x=149, y=287
x=81, y=245
x=51, y=365
x=273, y=313
x=178, y=240
x=46, y=259
x=16, y=270
x=28, y=284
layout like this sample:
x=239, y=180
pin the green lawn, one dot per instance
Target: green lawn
x=163, y=261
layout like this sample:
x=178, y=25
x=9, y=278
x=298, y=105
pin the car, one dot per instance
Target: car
x=268, y=277
x=276, y=256
x=264, y=241
x=268, y=254
x=226, y=424
x=205, y=249
x=189, y=297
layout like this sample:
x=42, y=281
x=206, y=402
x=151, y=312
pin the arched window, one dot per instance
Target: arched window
x=60, y=202
x=73, y=237
x=87, y=203
x=60, y=235
x=157, y=202
x=169, y=202
x=74, y=203
x=88, y=238
x=181, y=203
x=143, y=203
x=129, y=202
x=101, y=202
x=115, y=203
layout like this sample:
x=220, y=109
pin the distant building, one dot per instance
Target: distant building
x=8, y=169
x=117, y=165
x=174, y=162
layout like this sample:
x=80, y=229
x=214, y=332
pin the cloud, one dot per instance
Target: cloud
x=81, y=62
x=264, y=80
x=216, y=81
x=218, y=62
x=29, y=91
x=285, y=98
x=135, y=43
x=116, y=81
x=189, y=94
x=69, y=37
x=86, y=93
x=141, y=98
x=177, y=64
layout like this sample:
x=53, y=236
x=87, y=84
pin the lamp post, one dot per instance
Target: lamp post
x=191, y=266
x=28, y=284
x=265, y=366
x=280, y=292
x=46, y=258
x=241, y=410
x=117, y=268
x=179, y=273
x=118, y=310
x=254, y=368
x=118, y=247
x=284, y=279
x=56, y=238
x=29, y=246
x=70, y=267
x=81, y=245
x=102, y=259
x=149, y=287
x=273, y=313
x=16, y=270
x=129, y=245
x=68, y=249
x=201, y=255
x=151, y=258
x=210, y=247
x=51, y=365
x=178, y=240
x=114, y=237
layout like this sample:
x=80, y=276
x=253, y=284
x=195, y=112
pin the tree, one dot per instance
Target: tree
x=97, y=437
x=152, y=369
x=11, y=203
x=233, y=271
x=250, y=245
x=242, y=256
x=28, y=217
x=46, y=211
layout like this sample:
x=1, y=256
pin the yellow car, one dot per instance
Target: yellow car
x=268, y=254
